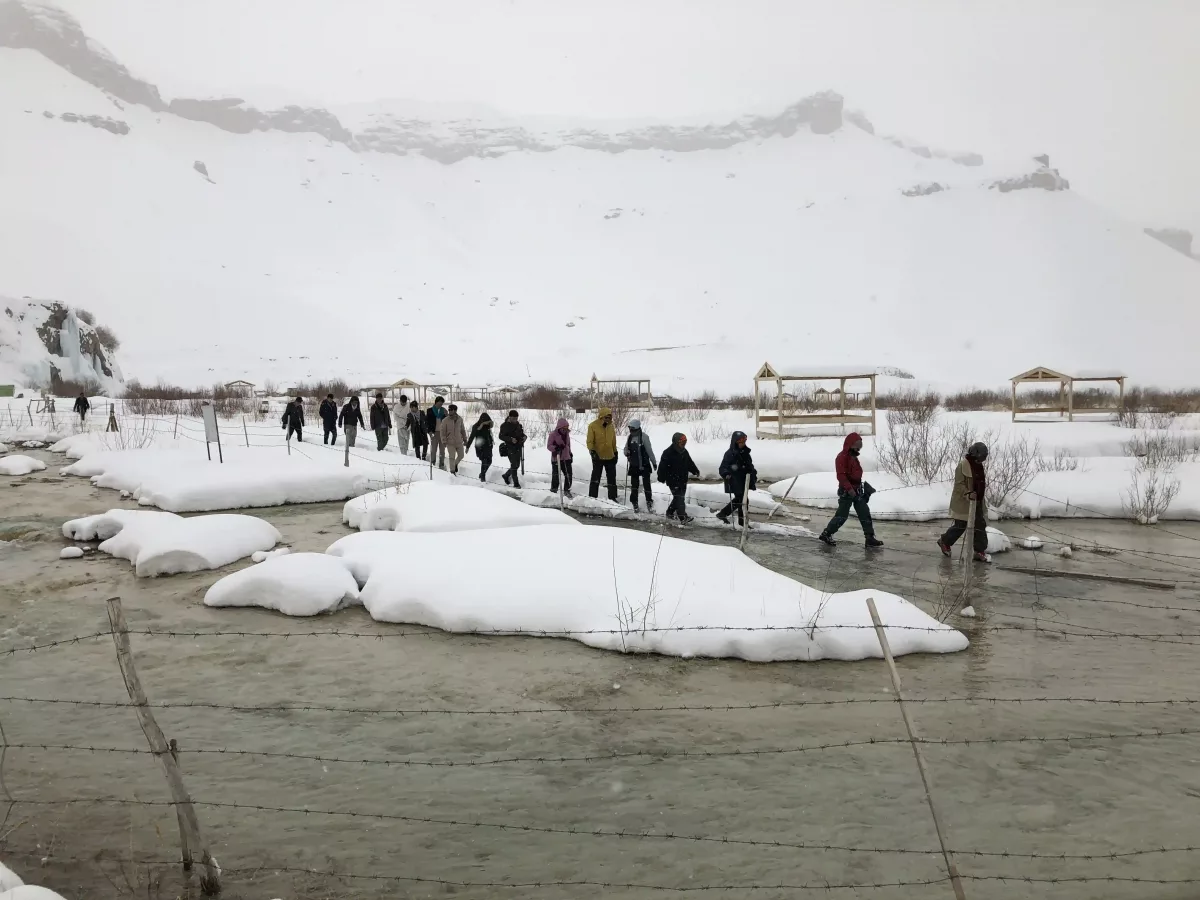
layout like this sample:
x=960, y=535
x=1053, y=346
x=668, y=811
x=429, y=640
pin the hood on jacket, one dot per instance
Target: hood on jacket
x=733, y=439
x=562, y=425
x=850, y=439
x=635, y=424
x=483, y=418
x=602, y=412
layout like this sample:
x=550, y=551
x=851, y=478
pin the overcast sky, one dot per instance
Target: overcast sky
x=1111, y=90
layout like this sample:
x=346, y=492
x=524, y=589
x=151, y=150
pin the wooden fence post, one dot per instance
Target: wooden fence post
x=951, y=868
x=189, y=825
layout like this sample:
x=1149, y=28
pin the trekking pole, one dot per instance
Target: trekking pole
x=245, y=430
x=784, y=497
x=175, y=436
x=745, y=517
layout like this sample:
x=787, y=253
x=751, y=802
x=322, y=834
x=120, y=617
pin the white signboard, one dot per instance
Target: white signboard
x=212, y=434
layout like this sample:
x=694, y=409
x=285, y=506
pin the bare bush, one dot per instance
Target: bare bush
x=69, y=387
x=913, y=403
x=976, y=399
x=108, y=338
x=696, y=413
x=741, y=401
x=1149, y=494
x=621, y=404
x=917, y=449
x=543, y=396
x=1012, y=464
x=84, y=315
x=1063, y=460
x=1161, y=450
x=1160, y=419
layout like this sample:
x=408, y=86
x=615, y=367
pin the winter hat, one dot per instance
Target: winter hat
x=512, y=414
x=978, y=451
x=604, y=411
x=635, y=424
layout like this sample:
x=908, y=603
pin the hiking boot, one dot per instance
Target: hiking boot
x=507, y=477
x=945, y=548
x=983, y=558
x=826, y=539
x=724, y=518
x=873, y=541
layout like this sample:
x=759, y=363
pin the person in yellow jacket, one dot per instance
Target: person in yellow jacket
x=602, y=445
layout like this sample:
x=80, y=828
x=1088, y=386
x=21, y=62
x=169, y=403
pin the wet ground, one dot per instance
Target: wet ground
x=751, y=774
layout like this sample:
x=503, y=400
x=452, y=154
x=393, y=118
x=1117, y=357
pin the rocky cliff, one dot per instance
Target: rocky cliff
x=43, y=343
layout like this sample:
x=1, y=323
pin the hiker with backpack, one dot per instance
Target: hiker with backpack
x=737, y=471
x=970, y=483
x=639, y=457
x=558, y=442
x=602, y=445
x=674, y=466
x=482, y=439
x=512, y=445
x=852, y=491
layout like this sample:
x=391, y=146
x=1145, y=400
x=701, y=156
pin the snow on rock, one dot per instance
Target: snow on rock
x=298, y=584
x=8, y=879
x=70, y=553
x=1065, y=551
x=1033, y=542
x=178, y=482
x=20, y=465
x=657, y=594
x=434, y=506
x=40, y=337
x=260, y=555
x=163, y=543
x=967, y=612
x=998, y=541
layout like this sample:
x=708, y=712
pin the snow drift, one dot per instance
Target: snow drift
x=434, y=506
x=295, y=584
x=18, y=464
x=162, y=543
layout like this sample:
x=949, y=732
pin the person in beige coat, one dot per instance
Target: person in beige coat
x=452, y=434
x=970, y=483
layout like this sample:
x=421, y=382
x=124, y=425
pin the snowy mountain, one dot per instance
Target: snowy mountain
x=43, y=343
x=375, y=242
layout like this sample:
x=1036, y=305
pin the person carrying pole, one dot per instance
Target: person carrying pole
x=293, y=420
x=970, y=488
x=852, y=491
x=328, y=412
x=602, y=445
x=639, y=458
x=381, y=421
x=737, y=471
x=673, y=469
x=558, y=442
x=351, y=419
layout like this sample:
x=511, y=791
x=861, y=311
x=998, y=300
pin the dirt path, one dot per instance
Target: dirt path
x=1081, y=797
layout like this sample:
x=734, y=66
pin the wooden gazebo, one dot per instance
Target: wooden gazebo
x=240, y=388
x=1041, y=375
x=777, y=420
x=405, y=386
x=629, y=389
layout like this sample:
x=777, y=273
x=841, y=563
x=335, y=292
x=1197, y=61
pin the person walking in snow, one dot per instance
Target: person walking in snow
x=482, y=439
x=328, y=412
x=851, y=492
x=452, y=435
x=415, y=420
x=558, y=442
x=512, y=445
x=970, y=483
x=82, y=406
x=639, y=457
x=381, y=421
x=602, y=445
x=737, y=471
x=433, y=418
x=293, y=419
x=351, y=419
x=403, y=435
x=674, y=466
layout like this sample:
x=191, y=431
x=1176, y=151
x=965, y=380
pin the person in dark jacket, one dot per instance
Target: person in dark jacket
x=970, y=483
x=674, y=466
x=82, y=406
x=850, y=493
x=558, y=442
x=433, y=418
x=482, y=439
x=351, y=419
x=328, y=412
x=512, y=445
x=293, y=419
x=381, y=421
x=736, y=470
x=416, y=431
x=639, y=457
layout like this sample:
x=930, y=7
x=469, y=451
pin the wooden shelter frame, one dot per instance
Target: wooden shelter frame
x=638, y=400
x=1066, y=392
x=781, y=419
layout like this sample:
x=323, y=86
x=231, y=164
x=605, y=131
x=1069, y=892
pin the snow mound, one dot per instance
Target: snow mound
x=1065, y=552
x=30, y=892
x=657, y=595
x=3, y=448
x=967, y=612
x=432, y=506
x=70, y=553
x=299, y=584
x=8, y=879
x=173, y=481
x=20, y=465
x=998, y=541
x=1033, y=542
x=163, y=543
x=260, y=555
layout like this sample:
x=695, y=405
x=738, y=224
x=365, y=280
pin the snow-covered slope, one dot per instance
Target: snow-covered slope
x=42, y=342
x=288, y=254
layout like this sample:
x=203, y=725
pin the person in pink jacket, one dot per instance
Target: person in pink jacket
x=559, y=445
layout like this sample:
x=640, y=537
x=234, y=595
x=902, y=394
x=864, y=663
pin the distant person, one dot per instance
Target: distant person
x=674, y=466
x=970, y=483
x=602, y=445
x=639, y=456
x=558, y=442
x=512, y=445
x=433, y=418
x=351, y=419
x=381, y=421
x=415, y=420
x=452, y=435
x=851, y=492
x=482, y=439
x=328, y=412
x=82, y=406
x=738, y=472
x=293, y=420
x=403, y=435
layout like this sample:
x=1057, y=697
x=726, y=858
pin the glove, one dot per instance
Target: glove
x=595, y=456
x=753, y=484
x=852, y=494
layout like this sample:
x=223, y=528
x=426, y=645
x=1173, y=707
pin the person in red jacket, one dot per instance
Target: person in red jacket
x=850, y=493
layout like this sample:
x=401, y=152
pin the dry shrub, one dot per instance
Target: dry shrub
x=69, y=387
x=1012, y=464
x=911, y=405
x=976, y=399
x=1063, y=460
x=621, y=404
x=543, y=396
x=1161, y=449
x=741, y=401
x=108, y=338
x=919, y=450
x=84, y=315
x=1149, y=494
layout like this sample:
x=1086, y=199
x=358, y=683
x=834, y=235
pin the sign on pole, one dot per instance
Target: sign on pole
x=212, y=434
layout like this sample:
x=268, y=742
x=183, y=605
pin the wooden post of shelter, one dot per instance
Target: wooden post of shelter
x=1066, y=391
x=827, y=414
x=190, y=836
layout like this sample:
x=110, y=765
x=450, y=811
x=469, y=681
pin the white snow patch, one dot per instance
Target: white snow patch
x=260, y=555
x=3, y=448
x=967, y=612
x=20, y=465
x=30, y=892
x=160, y=543
x=1033, y=542
x=70, y=553
x=8, y=879
x=1065, y=551
x=299, y=584
x=435, y=506
x=998, y=541
x=664, y=595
